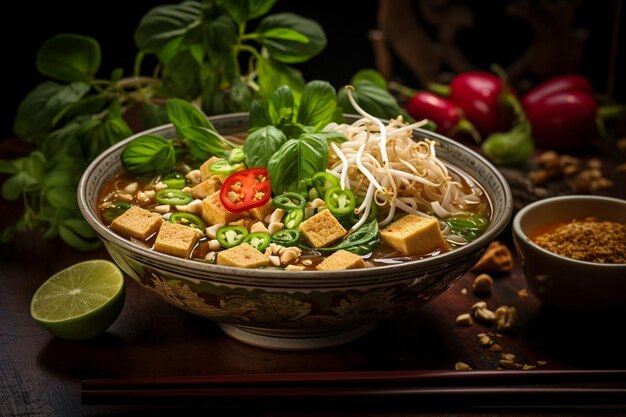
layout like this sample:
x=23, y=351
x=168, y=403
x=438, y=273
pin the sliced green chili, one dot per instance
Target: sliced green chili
x=285, y=237
x=114, y=211
x=231, y=236
x=323, y=181
x=236, y=155
x=174, y=180
x=289, y=201
x=340, y=202
x=188, y=219
x=173, y=197
x=258, y=240
x=293, y=218
x=224, y=167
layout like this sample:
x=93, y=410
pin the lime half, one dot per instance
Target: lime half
x=81, y=301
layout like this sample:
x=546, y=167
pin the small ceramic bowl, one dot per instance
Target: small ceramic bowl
x=562, y=282
x=295, y=310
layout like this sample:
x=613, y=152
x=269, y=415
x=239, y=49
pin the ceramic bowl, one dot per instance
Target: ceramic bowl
x=289, y=310
x=562, y=282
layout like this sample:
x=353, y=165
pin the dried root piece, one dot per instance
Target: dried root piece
x=497, y=258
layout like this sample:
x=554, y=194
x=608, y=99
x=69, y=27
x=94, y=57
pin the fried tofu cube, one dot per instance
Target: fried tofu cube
x=205, y=172
x=214, y=212
x=414, y=235
x=322, y=229
x=137, y=222
x=242, y=256
x=259, y=213
x=342, y=259
x=206, y=187
x=176, y=239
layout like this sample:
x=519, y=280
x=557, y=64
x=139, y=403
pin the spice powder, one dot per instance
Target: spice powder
x=588, y=240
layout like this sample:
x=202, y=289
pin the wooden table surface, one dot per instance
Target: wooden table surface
x=40, y=375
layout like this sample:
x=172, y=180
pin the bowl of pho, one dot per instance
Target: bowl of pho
x=290, y=236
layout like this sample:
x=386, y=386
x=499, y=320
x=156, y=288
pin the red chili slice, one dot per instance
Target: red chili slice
x=245, y=190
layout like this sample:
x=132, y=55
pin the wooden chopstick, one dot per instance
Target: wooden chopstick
x=476, y=388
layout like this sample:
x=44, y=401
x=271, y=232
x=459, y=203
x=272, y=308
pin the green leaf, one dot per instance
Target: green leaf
x=239, y=10
x=62, y=197
x=88, y=105
x=204, y=143
x=181, y=76
x=239, y=96
x=164, y=23
x=318, y=104
x=153, y=115
x=148, y=155
x=220, y=37
x=261, y=144
x=273, y=74
x=374, y=100
x=7, y=234
x=184, y=114
x=370, y=75
x=72, y=238
x=288, y=50
x=297, y=160
x=260, y=7
x=258, y=115
x=43, y=106
x=364, y=235
x=285, y=34
x=69, y=58
x=15, y=185
x=281, y=105
x=99, y=134
x=8, y=167
x=80, y=227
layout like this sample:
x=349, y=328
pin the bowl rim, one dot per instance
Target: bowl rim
x=522, y=236
x=493, y=231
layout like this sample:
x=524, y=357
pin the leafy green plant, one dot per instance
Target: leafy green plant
x=204, y=52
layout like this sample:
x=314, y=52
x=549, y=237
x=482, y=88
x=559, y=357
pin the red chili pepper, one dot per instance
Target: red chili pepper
x=562, y=83
x=565, y=120
x=447, y=116
x=245, y=190
x=482, y=97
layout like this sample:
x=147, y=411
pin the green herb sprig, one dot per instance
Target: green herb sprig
x=199, y=47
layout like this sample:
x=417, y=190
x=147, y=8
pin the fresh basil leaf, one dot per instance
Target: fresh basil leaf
x=239, y=96
x=80, y=227
x=35, y=165
x=69, y=58
x=15, y=185
x=285, y=34
x=164, y=23
x=87, y=105
x=184, y=114
x=260, y=7
x=103, y=134
x=281, y=105
x=288, y=50
x=261, y=144
x=181, y=76
x=273, y=74
x=258, y=115
x=61, y=178
x=297, y=160
x=318, y=104
x=63, y=142
x=72, y=238
x=239, y=10
x=370, y=75
x=204, y=143
x=153, y=115
x=43, y=106
x=364, y=235
x=62, y=197
x=220, y=37
x=148, y=155
x=7, y=234
x=373, y=99
x=8, y=167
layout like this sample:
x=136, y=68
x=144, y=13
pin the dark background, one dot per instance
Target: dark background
x=494, y=39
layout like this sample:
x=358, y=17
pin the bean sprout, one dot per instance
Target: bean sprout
x=389, y=168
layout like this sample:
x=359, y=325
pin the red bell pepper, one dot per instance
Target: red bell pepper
x=245, y=190
x=444, y=113
x=484, y=99
x=562, y=112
